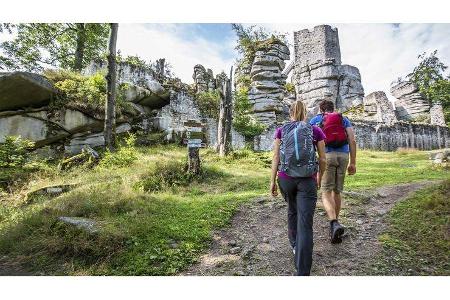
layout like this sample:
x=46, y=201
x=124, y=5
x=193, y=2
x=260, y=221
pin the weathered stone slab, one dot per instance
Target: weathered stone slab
x=24, y=89
x=31, y=126
x=81, y=223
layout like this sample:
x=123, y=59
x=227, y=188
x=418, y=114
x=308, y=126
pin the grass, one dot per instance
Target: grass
x=417, y=241
x=153, y=231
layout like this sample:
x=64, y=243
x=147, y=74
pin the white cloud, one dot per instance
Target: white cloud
x=383, y=52
x=153, y=41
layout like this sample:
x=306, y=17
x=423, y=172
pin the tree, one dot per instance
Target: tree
x=433, y=85
x=63, y=45
x=110, y=107
x=427, y=74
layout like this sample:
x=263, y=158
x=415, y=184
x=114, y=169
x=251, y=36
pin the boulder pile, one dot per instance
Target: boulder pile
x=26, y=110
x=377, y=107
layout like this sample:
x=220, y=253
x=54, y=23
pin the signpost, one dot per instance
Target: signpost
x=194, y=141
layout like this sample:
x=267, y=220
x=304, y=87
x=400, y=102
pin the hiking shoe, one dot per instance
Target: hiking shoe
x=336, y=232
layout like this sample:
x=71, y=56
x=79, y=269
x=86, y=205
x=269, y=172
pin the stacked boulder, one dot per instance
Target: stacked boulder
x=378, y=108
x=267, y=82
x=318, y=73
x=410, y=104
x=203, y=79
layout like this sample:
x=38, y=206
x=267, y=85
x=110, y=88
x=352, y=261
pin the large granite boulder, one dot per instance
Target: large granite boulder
x=24, y=89
x=154, y=96
x=33, y=126
x=267, y=82
x=377, y=107
x=410, y=104
x=437, y=116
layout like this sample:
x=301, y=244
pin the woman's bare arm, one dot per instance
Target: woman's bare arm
x=275, y=162
x=322, y=161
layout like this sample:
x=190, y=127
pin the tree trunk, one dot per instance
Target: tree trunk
x=225, y=119
x=81, y=45
x=193, y=161
x=110, y=108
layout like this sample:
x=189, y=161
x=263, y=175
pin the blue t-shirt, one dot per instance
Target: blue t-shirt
x=318, y=119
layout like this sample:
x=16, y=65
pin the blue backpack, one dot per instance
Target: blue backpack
x=297, y=151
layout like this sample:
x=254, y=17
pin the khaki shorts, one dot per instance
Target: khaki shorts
x=333, y=178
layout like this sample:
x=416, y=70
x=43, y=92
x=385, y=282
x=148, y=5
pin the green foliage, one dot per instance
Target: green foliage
x=86, y=92
x=429, y=77
x=290, y=88
x=123, y=157
x=416, y=241
x=36, y=45
x=14, y=152
x=242, y=120
x=170, y=174
x=209, y=103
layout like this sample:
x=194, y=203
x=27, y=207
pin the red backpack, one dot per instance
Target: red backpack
x=333, y=126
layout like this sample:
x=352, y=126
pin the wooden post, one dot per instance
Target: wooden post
x=194, y=142
x=225, y=119
x=194, y=161
x=110, y=107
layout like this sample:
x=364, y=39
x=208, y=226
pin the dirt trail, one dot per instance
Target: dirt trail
x=256, y=241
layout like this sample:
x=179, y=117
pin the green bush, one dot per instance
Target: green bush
x=85, y=92
x=208, y=103
x=243, y=122
x=123, y=157
x=174, y=173
x=14, y=152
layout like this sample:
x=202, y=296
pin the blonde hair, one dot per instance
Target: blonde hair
x=298, y=111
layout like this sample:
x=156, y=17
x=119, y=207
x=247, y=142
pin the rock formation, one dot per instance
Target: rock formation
x=267, y=82
x=410, y=104
x=377, y=107
x=203, y=79
x=318, y=73
x=437, y=115
x=24, y=89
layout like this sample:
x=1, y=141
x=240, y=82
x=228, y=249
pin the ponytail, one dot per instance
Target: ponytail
x=298, y=111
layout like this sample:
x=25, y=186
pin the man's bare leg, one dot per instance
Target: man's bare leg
x=337, y=202
x=329, y=204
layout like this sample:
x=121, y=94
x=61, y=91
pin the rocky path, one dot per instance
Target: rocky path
x=256, y=241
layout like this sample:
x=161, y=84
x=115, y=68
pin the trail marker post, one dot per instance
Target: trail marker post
x=194, y=141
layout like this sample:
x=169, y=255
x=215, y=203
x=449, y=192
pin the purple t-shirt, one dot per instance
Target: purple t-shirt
x=318, y=136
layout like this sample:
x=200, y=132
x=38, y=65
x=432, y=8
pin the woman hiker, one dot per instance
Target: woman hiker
x=299, y=176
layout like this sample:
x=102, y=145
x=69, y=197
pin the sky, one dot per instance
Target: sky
x=382, y=52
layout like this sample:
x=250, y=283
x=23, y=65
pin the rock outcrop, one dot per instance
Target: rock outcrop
x=318, y=73
x=410, y=104
x=24, y=89
x=437, y=116
x=377, y=107
x=267, y=82
x=203, y=79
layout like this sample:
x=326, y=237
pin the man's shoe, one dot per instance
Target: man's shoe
x=336, y=232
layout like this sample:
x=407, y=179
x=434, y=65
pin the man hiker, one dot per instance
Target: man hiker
x=339, y=141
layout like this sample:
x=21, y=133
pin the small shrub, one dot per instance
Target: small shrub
x=123, y=157
x=208, y=103
x=85, y=92
x=174, y=173
x=243, y=122
x=290, y=88
x=14, y=152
